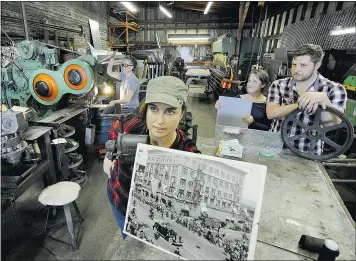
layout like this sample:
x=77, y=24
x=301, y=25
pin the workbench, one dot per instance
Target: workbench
x=298, y=199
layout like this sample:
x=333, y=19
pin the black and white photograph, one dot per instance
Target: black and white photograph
x=194, y=206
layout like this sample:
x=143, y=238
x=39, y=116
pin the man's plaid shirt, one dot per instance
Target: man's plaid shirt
x=118, y=187
x=284, y=92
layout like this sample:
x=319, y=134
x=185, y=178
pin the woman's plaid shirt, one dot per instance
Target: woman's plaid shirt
x=119, y=183
x=284, y=92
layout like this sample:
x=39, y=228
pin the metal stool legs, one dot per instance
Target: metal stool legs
x=69, y=221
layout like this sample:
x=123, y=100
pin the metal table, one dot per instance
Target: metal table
x=299, y=198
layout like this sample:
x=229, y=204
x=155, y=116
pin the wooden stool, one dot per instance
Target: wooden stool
x=62, y=194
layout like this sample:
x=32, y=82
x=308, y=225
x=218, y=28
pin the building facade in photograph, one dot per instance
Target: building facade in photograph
x=192, y=181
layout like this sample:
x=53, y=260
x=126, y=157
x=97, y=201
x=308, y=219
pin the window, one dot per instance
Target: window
x=181, y=193
x=233, y=178
x=205, y=167
x=219, y=193
x=231, y=187
x=222, y=174
x=209, y=179
x=225, y=195
x=190, y=184
x=207, y=190
x=218, y=203
x=211, y=170
x=184, y=172
x=211, y=201
x=215, y=181
x=182, y=182
x=213, y=192
x=194, y=163
x=173, y=179
x=175, y=169
x=189, y=194
x=228, y=177
x=224, y=204
x=205, y=199
x=226, y=185
x=217, y=172
x=221, y=183
x=166, y=178
x=229, y=205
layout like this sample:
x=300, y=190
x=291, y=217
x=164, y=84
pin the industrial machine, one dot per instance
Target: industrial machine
x=39, y=80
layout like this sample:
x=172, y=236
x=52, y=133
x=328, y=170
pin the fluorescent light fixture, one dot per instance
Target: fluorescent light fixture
x=130, y=7
x=165, y=11
x=188, y=37
x=207, y=7
x=350, y=30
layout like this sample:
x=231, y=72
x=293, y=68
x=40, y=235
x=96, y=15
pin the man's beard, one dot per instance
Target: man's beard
x=303, y=78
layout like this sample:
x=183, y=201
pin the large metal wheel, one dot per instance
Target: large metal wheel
x=316, y=132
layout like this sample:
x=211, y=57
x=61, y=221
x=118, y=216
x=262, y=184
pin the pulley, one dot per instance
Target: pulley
x=317, y=133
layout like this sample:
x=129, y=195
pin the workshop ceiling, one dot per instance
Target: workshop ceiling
x=224, y=9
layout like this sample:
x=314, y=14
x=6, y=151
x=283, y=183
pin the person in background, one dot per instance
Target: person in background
x=230, y=83
x=257, y=82
x=306, y=89
x=130, y=85
x=158, y=117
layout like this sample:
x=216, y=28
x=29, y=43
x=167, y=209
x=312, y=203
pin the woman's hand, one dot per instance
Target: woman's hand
x=218, y=104
x=248, y=119
x=108, y=165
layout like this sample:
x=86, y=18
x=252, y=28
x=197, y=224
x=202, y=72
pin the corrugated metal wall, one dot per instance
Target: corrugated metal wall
x=310, y=22
x=66, y=15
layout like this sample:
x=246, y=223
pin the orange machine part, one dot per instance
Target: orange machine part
x=52, y=84
x=83, y=73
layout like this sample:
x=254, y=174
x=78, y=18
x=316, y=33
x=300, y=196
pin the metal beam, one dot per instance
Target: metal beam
x=24, y=19
x=192, y=21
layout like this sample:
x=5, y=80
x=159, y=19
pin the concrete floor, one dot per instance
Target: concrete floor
x=99, y=237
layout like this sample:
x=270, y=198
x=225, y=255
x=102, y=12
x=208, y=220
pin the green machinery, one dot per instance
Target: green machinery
x=350, y=85
x=39, y=81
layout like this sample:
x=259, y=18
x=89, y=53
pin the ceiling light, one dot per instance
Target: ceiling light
x=165, y=11
x=207, y=7
x=130, y=7
x=188, y=37
x=338, y=31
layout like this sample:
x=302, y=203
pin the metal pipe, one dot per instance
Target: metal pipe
x=24, y=19
x=343, y=180
x=331, y=164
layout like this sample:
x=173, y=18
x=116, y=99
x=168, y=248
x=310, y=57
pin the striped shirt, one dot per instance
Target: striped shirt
x=284, y=92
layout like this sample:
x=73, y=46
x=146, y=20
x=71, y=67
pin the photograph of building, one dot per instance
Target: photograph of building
x=179, y=200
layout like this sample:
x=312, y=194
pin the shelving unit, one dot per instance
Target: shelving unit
x=119, y=32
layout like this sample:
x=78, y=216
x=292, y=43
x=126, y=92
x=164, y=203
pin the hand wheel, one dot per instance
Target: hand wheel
x=316, y=132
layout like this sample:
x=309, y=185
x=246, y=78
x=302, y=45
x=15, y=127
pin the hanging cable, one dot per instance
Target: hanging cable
x=253, y=46
x=8, y=37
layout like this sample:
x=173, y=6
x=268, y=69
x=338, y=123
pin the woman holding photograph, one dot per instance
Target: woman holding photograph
x=158, y=117
x=256, y=84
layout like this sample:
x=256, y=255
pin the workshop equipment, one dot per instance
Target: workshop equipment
x=12, y=145
x=38, y=80
x=316, y=132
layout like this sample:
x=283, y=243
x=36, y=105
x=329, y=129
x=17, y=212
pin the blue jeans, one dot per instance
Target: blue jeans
x=120, y=219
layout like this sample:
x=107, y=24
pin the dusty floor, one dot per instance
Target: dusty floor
x=99, y=237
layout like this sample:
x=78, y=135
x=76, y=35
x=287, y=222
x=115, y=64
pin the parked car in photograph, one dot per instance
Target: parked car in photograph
x=164, y=229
